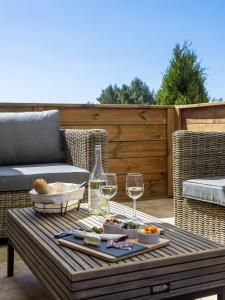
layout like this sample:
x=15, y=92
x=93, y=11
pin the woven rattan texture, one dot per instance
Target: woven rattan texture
x=79, y=148
x=197, y=155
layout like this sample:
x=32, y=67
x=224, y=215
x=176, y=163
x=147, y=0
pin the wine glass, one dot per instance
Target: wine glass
x=109, y=189
x=135, y=189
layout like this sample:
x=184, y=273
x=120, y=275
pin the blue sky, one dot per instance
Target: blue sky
x=68, y=51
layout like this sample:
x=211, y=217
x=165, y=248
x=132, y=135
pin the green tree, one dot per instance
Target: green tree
x=109, y=95
x=214, y=99
x=136, y=93
x=184, y=80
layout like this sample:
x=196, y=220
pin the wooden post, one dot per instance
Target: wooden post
x=178, y=117
x=170, y=129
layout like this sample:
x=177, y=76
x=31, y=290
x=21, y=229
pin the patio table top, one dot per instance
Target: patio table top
x=182, y=265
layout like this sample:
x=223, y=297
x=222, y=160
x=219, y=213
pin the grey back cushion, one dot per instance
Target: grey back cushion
x=30, y=138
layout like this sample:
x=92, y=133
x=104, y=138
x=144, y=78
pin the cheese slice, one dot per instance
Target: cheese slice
x=92, y=239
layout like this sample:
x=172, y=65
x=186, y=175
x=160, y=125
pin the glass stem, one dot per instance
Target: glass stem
x=108, y=208
x=134, y=208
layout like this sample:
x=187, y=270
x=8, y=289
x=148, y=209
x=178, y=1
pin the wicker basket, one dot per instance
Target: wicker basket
x=66, y=198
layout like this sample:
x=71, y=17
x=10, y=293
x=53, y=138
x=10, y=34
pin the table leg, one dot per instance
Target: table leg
x=221, y=294
x=10, y=265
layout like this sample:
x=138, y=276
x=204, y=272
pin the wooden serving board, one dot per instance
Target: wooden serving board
x=113, y=254
x=162, y=243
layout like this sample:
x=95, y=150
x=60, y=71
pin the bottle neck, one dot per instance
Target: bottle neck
x=98, y=169
x=98, y=156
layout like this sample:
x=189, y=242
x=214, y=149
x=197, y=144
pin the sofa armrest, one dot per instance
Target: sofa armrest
x=79, y=146
x=195, y=155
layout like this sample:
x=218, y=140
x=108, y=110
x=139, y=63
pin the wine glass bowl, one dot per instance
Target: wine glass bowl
x=109, y=189
x=135, y=192
x=134, y=189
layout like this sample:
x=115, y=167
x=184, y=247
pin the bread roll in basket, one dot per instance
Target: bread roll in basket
x=62, y=197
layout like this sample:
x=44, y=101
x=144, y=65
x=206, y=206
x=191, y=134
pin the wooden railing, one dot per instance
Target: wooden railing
x=139, y=139
x=202, y=117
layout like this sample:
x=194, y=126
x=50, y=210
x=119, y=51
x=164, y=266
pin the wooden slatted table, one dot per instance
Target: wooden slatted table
x=190, y=265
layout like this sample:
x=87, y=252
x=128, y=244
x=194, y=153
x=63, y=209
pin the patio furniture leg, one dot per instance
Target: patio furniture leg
x=10, y=262
x=221, y=294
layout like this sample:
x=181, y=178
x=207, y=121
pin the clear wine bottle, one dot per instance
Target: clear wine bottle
x=97, y=203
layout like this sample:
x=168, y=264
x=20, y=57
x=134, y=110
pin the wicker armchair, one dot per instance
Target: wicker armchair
x=79, y=148
x=198, y=155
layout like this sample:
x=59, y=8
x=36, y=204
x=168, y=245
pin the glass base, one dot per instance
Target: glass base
x=97, y=212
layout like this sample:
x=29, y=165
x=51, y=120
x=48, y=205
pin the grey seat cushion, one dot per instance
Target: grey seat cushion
x=30, y=138
x=18, y=178
x=209, y=189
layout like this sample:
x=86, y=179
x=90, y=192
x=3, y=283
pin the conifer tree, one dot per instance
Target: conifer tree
x=184, y=80
x=136, y=93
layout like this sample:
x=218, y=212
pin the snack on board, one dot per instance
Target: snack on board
x=97, y=229
x=80, y=234
x=119, y=245
x=131, y=229
x=92, y=239
x=130, y=225
x=149, y=230
x=149, y=235
x=41, y=186
x=113, y=221
x=114, y=237
x=112, y=225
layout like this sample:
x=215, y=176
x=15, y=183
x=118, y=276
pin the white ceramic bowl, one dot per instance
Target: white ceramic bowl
x=66, y=197
x=112, y=228
x=145, y=238
x=132, y=233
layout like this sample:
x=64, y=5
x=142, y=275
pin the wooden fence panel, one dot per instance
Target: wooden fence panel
x=203, y=117
x=106, y=116
x=138, y=139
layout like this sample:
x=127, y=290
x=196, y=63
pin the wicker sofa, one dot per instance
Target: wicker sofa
x=78, y=145
x=198, y=155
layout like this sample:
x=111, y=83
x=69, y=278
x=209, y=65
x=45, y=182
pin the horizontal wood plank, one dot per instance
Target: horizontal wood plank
x=99, y=116
x=129, y=132
x=207, y=112
x=206, y=127
x=138, y=165
x=205, y=121
x=137, y=149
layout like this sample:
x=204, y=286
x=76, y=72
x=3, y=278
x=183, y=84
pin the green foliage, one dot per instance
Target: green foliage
x=135, y=93
x=184, y=80
x=214, y=99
